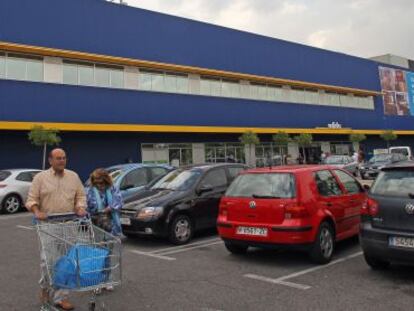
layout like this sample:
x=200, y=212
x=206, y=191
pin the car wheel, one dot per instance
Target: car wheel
x=236, y=248
x=181, y=230
x=11, y=204
x=375, y=263
x=323, y=246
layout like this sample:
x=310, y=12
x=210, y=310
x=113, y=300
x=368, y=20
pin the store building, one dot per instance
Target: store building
x=126, y=84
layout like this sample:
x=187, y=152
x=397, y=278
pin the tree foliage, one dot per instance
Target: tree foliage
x=388, y=135
x=357, y=138
x=304, y=139
x=281, y=138
x=39, y=136
x=249, y=138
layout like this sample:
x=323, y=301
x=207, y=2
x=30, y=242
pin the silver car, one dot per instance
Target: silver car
x=344, y=162
x=14, y=187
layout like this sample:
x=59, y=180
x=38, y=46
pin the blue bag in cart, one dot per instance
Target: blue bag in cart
x=83, y=266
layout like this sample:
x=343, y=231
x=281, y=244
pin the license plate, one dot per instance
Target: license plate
x=252, y=231
x=125, y=221
x=401, y=242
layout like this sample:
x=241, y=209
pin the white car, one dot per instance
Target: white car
x=14, y=187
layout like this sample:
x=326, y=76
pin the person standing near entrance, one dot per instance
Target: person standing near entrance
x=56, y=190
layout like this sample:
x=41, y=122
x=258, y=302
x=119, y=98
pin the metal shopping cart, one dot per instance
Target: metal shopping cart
x=78, y=256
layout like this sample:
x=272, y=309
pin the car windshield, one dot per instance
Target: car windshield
x=178, y=180
x=395, y=183
x=402, y=151
x=266, y=185
x=380, y=158
x=335, y=160
x=4, y=175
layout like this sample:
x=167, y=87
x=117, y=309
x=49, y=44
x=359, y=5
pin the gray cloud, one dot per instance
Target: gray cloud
x=363, y=28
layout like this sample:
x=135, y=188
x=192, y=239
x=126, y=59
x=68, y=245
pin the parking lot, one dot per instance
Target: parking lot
x=204, y=276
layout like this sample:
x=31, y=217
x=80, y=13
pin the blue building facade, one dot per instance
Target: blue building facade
x=122, y=84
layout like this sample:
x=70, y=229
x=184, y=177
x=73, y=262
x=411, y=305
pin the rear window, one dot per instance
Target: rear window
x=394, y=183
x=270, y=185
x=4, y=175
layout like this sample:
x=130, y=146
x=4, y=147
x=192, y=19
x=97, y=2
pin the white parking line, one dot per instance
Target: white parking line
x=162, y=250
x=160, y=253
x=282, y=280
x=152, y=255
x=190, y=248
x=25, y=227
x=276, y=281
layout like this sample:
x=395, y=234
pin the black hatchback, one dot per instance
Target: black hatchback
x=387, y=224
x=181, y=202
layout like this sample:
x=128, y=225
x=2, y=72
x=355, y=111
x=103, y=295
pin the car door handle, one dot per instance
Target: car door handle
x=328, y=204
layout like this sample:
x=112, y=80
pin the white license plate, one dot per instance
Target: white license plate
x=252, y=231
x=125, y=221
x=401, y=242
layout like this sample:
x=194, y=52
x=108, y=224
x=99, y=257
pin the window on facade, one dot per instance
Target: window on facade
x=311, y=96
x=2, y=64
x=144, y=81
x=182, y=84
x=180, y=154
x=117, y=78
x=274, y=93
x=157, y=82
x=297, y=95
x=332, y=99
x=70, y=73
x=16, y=68
x=230, y=89
x=102, y=76
x=86, y=74
x=269, y=154
x=224, y=152
x=210, y=86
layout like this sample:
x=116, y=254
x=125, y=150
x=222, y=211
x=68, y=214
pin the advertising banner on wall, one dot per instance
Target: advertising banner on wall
x=397, y=85
x=410, y=87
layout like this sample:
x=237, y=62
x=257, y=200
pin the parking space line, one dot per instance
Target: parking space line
x=282, y=280
x=190, y=248
x=162, y=250
x=25, y=227
x=152, y=255
x=276, y=281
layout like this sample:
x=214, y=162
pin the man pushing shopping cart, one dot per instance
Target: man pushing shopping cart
x=75, y=255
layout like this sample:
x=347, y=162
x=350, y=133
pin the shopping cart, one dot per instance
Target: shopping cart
x=78, y=256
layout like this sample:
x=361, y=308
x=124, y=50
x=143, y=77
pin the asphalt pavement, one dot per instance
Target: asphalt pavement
x=204, y=276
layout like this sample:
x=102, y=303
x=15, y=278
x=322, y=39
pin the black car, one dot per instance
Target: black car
x=371, y=169
x=387, y=220
x=183, y=201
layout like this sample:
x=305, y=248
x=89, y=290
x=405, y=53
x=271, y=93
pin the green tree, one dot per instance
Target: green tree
x=357, y=138
x=39, y=136
x=388, y=135
x=304, y=140
x=250, y=139
x=281, y=139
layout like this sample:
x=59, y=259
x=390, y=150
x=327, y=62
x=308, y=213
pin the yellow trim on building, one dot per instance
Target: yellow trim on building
x=95, y=127
x=22, y=48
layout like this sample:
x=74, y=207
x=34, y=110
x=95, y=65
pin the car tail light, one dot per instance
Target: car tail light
x=370, y=207
x=3, y=185
x=295, y=211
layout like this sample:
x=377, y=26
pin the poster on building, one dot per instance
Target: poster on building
x=410, y=87
x=395, y=86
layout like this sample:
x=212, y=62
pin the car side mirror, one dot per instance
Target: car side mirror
x=204, y=188
x=366, y=187
x=126, y=187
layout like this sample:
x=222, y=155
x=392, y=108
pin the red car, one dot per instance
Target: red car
x=308, y=207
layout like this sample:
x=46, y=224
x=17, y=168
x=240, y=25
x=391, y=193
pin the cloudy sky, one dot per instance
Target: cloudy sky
x=358, y=27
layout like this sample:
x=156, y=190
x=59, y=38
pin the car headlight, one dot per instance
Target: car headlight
x=150, y=213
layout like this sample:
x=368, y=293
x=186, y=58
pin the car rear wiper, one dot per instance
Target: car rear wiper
x=260, y=196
